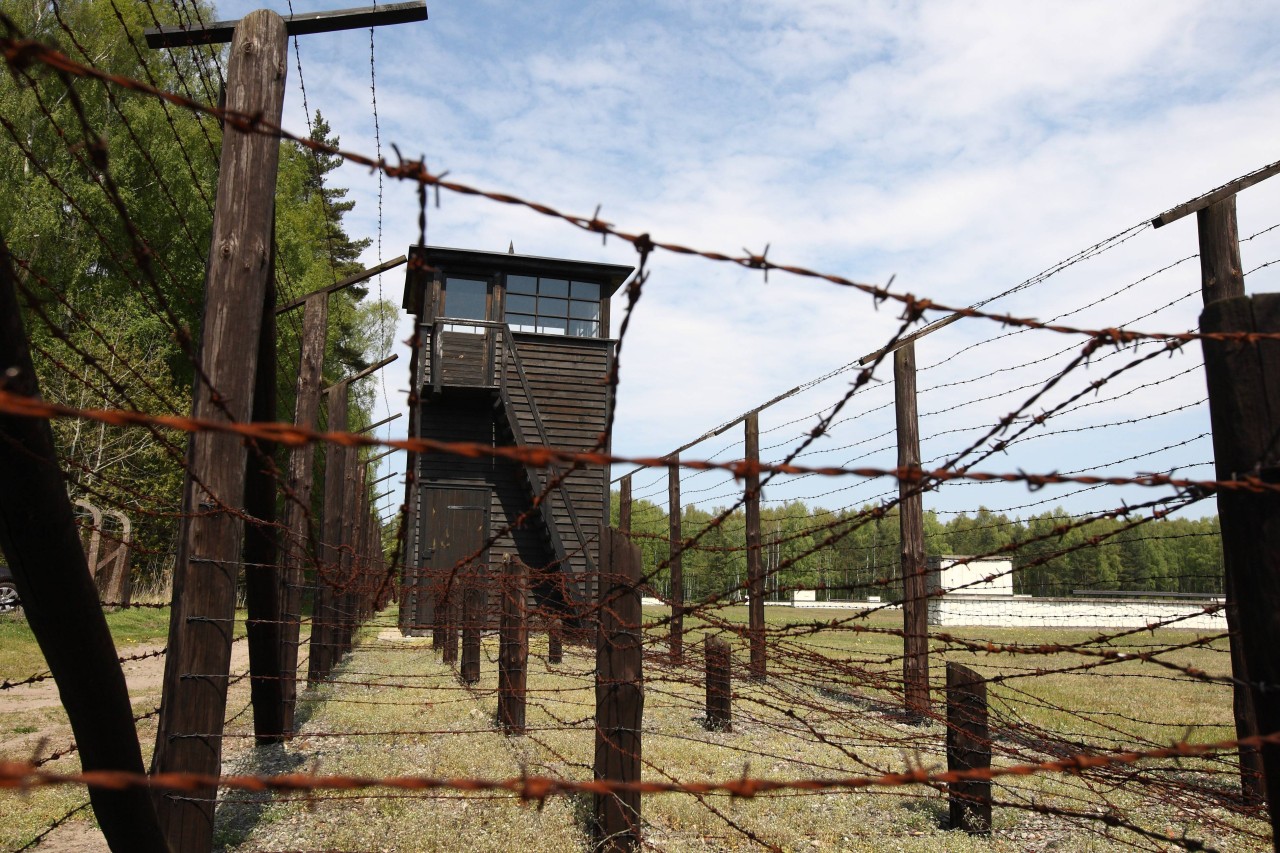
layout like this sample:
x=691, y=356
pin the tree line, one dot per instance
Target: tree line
x=106, y=200
x=854, y=553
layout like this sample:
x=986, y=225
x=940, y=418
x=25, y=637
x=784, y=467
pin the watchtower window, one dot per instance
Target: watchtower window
x=553, y=306
x=465, y=299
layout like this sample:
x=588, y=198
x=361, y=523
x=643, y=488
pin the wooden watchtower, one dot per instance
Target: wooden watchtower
x=508, y=350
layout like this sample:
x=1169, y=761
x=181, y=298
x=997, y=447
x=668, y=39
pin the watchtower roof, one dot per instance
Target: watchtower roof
x=610, y=276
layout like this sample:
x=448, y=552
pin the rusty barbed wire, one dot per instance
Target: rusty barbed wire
x=17, y=775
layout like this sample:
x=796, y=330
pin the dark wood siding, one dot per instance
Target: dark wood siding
x=568, y=378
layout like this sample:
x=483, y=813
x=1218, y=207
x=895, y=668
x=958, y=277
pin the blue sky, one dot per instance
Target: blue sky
x=963, y=146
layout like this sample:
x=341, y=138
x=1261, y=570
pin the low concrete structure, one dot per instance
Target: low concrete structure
x=1024, y=611
x=970, y=575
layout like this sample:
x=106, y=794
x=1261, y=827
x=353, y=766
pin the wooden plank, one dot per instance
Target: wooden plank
x=915, y=593
x=755, y=567
x=968, y=748
x=1211, y=198
x=305, y=23
x=624, y=506
x=910, y=339
x=40, y=543
x=619, y=693
x=363, y=275
x=371, y=369
x=202, y=620
x=1244, y=410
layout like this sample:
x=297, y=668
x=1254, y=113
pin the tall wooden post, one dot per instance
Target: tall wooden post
x=619, y=692
x=262, y=575
x=513, y=648
x=1221, y=277
x=40, y=543
x=297, y=508
x=676, y=561
x=624, y=505
x=211, y=543
x=1243, y=382
x=915, y=594
x=755, y=566
x=324, y=610
x=968, y=748
x=349, y=597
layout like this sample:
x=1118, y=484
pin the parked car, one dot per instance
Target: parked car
x=9, y=602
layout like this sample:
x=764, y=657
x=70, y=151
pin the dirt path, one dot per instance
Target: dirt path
x=141, y=675
x=144, y=677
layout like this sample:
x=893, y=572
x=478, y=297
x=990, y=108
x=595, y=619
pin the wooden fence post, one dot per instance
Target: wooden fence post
x=188, y=737
x=624, y=505
x=619, y=692
x=441, y=616
x=474, y=601
x=719, y=685
x=349, y=598
x=513, y=647
x=262, y=574
x=297, y=508
x=676, y=561
x=555, y=641
x=755, y=568
x=915, y=593
x=40, y=543
x=450, y=618
x=1243, y=379
x=1222, y=277
x=324, y=609
x=968, y=748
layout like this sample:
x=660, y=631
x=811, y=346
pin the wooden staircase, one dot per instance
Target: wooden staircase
x=549, y=498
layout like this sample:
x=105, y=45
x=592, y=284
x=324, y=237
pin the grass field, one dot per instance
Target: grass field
x=828, y=709
x=33, y=724
x=20, y=656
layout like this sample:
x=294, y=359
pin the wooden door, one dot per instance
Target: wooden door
x=455, y=524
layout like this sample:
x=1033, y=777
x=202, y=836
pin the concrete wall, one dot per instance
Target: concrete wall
x=978, y=576
x=1025, y=611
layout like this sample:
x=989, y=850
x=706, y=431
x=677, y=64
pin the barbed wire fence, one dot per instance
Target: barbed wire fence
x=1127, y=729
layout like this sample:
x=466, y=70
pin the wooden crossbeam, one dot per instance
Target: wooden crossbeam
x=363, y=275
x=301, y=24
x=1214, y=196
x=909, y=339
x=373, y=368
x=383, y=422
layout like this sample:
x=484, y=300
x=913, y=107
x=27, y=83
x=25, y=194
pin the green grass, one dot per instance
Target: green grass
x=836, y=682
x=20, y=655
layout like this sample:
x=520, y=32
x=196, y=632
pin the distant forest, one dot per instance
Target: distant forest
x=1053, y=554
